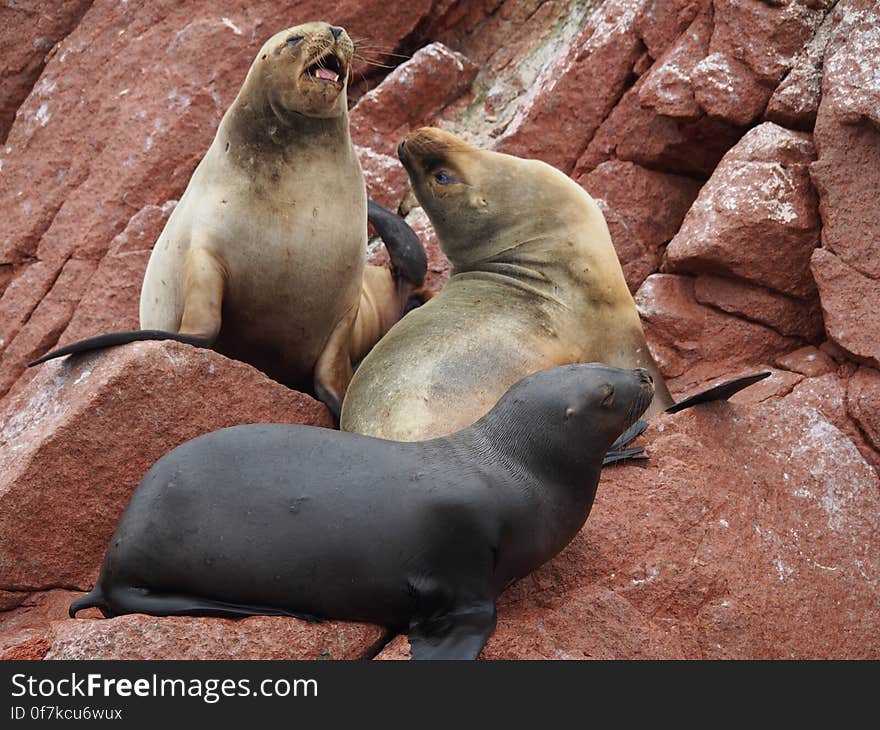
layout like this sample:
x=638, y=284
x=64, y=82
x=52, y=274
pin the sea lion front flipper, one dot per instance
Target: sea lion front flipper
x=723, y=391
x=333, y=369
x=633, y=432
x=631, y=454
x=616, y=452
x=459, y=634
x=204, y=279
x=407, y=253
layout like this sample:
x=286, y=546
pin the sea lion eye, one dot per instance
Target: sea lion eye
x=443, y=177
x=294, y=39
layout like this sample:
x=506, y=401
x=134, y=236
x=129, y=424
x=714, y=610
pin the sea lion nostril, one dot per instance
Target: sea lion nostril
x=400, y=150
x=336, y=31
x=645, y=375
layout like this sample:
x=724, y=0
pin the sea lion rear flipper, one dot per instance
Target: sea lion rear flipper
x=723, y=391
x=126, y=600
x=120, y=338
x=407, y=253
x=333, y=369
x=459, y=634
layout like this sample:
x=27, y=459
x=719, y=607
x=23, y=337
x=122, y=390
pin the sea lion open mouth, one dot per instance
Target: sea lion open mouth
x=328, y=69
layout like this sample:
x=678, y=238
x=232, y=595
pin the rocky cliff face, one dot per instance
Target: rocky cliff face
x=734, y=146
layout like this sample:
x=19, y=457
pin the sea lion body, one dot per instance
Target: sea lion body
x=536, y=283
x=264, y=257
x=292, y=253
x=296, y=520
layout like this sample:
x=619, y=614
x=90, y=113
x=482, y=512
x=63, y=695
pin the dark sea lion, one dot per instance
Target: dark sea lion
x=536, y=283
x=420, y=537
x=263, y=259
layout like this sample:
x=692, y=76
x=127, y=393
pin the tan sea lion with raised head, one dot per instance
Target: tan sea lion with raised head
x=536, y=283
x=263, y=259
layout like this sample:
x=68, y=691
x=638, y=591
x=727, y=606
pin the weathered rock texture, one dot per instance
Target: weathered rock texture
x=734, y=148
x=77, y=440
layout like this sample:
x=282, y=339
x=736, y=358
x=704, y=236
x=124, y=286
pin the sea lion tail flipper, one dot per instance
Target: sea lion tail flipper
x=407, y=253
x=128, y=599
x=723, y=391
x=459, y=634
x=333, y=372
x=120, y=338
x=94, y=599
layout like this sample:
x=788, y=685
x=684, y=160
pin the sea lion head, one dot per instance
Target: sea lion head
x=304, y=70
x=567, y=417
x=482, y=202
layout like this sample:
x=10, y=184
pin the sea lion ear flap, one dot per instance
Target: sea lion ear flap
x=459, y=634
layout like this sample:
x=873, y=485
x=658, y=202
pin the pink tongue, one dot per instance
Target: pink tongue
x=326, y=74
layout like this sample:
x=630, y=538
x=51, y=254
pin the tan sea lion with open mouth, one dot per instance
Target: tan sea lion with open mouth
x=263, y=259
x=536, y=283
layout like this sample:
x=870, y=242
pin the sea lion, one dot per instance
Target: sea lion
x=309, y=522
x=536, y=282
x=263, y=259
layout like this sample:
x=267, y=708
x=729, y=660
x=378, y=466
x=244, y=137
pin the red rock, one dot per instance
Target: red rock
x=728, y=89
x=410, y=96
x=809, y=361
x=263, y=637
x=24, y=631
x=46, y=322
x=27, y=36
x=850, y=80
x=574, y=94
x=112, y=297
x=828, y=395
x=796, y=100
x=683, y=557
x=753, y=45
x=636, y=133
x=660, y=22
x=511, y=41
x=847, y=137
x=849, y=303
x=385, y=178
x=669, y=90
x=765, y=36
x=756, y=218
x=788, y=316
x=693, y=343
x=21, y=298
x=863, y=406
x=643, y=209
x=77, y=440
x=30, y=649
